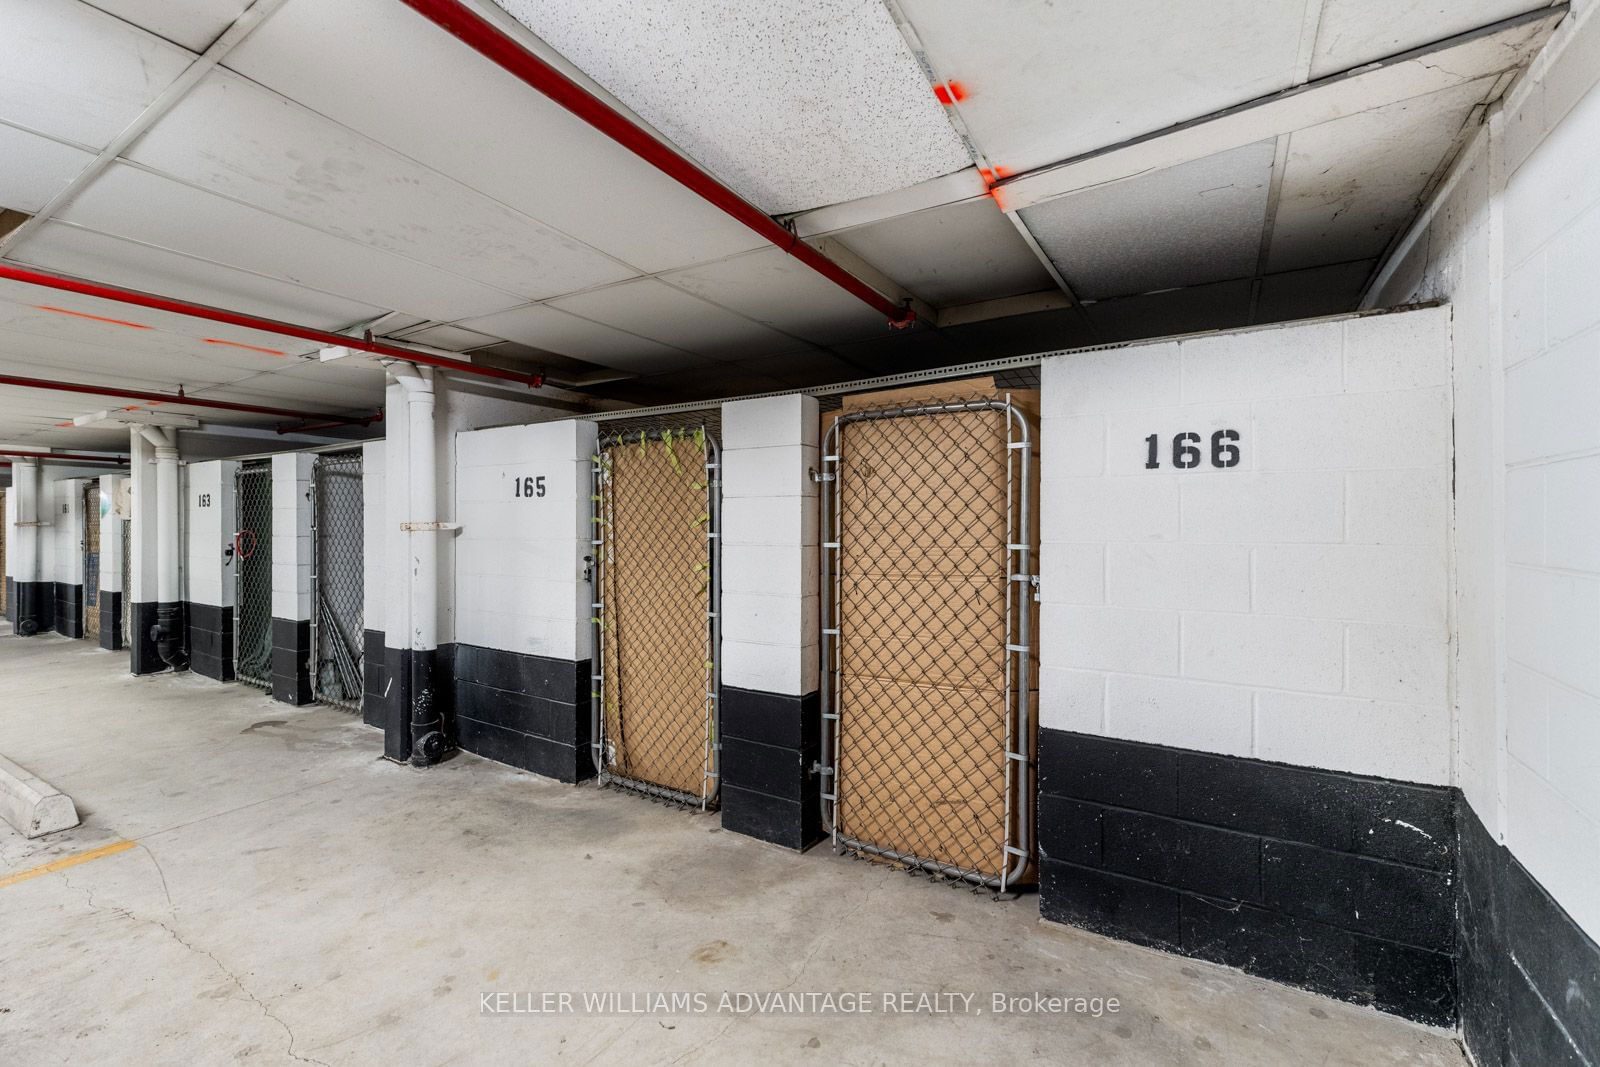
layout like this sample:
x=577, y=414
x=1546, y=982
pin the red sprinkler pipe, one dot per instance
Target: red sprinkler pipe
x=482, y=37
x=180, y=398
x=254, y=322
x=72, y=457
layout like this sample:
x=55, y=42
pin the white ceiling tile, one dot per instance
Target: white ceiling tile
x=243, y=141
x=450, y=338
x=79, y=74
x=1351, y=183
x=553, y=330
x=194, y=24
x=772, y=287
x=793, y=105
x=1045, y=80
x=34, y=168
x=1353, y=32
x=129, y=202
x=1197, y=222
x=656, y=310
x=952, y=255
x=59, y=247
x=381, y=69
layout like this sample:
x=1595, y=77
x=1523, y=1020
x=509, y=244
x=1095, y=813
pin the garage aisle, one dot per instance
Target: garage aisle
x=291, y=898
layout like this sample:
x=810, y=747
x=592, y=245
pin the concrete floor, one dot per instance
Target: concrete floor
x=293, y=898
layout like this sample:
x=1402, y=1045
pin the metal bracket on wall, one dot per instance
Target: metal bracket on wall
x=425, y=527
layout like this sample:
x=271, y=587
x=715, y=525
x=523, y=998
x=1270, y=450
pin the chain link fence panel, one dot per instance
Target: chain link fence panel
x=656, y=504
x=927, y=667
x=252, y=560
x=337, y=585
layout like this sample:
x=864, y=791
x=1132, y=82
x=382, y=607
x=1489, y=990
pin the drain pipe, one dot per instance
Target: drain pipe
x=167, y=633
x=25, y=484
x=422, y=545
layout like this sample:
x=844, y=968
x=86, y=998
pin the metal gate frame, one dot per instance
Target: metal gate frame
x=1019, y=738
x=243, y=471
x=345, y=658
x=711, y=779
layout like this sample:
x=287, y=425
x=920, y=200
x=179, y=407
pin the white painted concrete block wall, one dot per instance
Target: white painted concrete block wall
x=373, y=486
x=63, y=538
x=209, y=528
x=769, y=545
x=1513, y=240
x=520, y=559
x=142, y=500
x=291, y=535
x=1291, y=607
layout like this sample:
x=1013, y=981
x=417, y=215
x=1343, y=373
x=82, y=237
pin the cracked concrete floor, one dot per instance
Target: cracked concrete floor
x=292, y=898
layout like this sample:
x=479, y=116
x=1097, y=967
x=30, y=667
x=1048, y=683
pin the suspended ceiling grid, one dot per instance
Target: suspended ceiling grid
x=349, y=161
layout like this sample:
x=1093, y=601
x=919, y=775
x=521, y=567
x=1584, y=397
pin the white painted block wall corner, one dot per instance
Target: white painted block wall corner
x=1244, y=543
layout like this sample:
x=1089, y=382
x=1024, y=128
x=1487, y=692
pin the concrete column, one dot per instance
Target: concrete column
x=32, y=604
x=62, y=566
x=291, y=577
x=111, y=592
x=143, y=544
x=770, y=632
x=209, y=591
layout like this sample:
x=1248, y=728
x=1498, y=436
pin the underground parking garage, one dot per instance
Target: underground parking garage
x=868, y=531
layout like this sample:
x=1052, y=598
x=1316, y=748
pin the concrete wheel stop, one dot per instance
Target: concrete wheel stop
x=32, y=805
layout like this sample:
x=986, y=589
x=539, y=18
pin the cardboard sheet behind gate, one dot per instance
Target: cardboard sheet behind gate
x=922, y=571
x=654, y=607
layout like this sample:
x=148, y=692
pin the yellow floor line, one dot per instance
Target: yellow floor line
x=67, y=861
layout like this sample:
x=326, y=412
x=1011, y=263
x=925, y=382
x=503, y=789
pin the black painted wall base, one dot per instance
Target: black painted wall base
x=770, y=743
x=527, y=711
x=291, y=661
x=11, y=602
x=210, y=640
x=1336, y=883
x=111, y=637
x=68, y=609
x=374, y=678
x=1529, y=976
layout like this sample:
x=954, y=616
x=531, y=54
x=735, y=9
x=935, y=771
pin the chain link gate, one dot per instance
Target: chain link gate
x=91, y=560
x=252, y=560
x=927, y=721
x=337, y=582
x=656, y=516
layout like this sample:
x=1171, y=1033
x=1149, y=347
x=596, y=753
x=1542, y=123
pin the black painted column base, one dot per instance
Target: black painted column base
x=770, y=743
x=211, y=641
x=1336, y=883
x=394, y=710
x=11, y=601
x=111, y=637
x=530, y=712
x=291, y=661
x=35, y=607
x=142, y=655
x=68, y=609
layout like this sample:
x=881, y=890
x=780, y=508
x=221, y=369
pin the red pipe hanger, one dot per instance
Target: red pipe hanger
x=482, y=37
x=155, y=302
x=64, y=457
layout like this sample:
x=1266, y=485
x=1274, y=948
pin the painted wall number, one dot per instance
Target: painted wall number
x=204, y=501
x=530, y=486
x=1186, y=450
